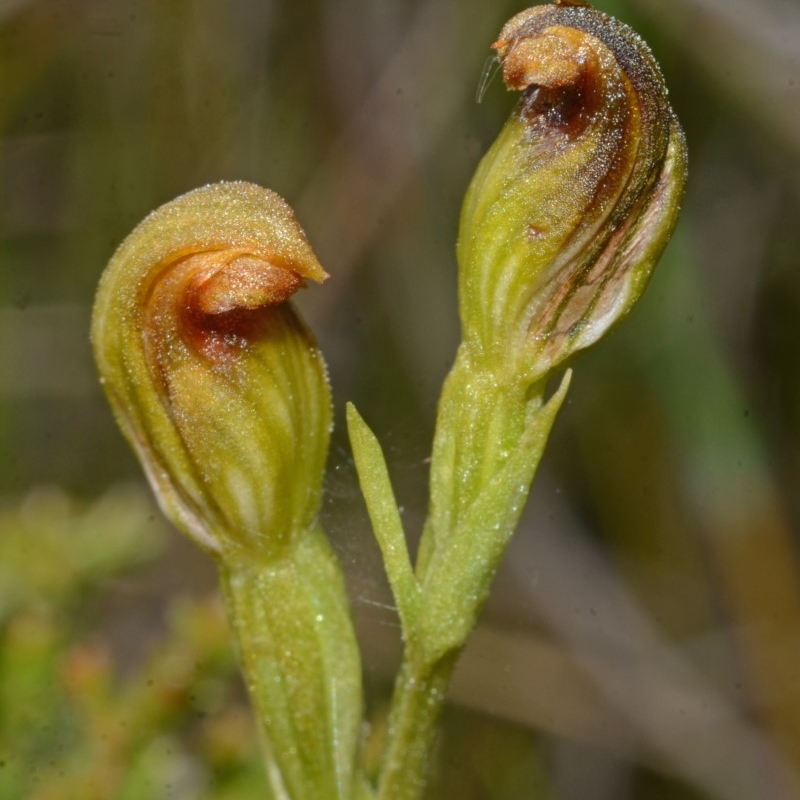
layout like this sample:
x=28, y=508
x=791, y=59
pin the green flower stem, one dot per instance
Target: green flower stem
x=490, y=435
x=300, y=658
x=481, y=419
x=420, y=693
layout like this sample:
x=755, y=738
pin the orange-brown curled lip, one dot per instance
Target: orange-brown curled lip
x=223, y=309
x=217, y=301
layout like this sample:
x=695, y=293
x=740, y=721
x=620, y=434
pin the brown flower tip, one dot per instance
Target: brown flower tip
x=245, y=282
x=556, y=59
x=226, y=298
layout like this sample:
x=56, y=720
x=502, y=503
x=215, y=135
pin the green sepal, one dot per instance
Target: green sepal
x=212, y=376
x=573, y=204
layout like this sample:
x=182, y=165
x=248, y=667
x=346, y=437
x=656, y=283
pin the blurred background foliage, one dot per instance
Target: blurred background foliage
x=643, y=641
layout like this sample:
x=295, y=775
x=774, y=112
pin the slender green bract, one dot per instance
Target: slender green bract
x=222, y=392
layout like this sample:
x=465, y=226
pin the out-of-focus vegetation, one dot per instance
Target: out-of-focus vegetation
x=642, y=641
x=72, y=724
